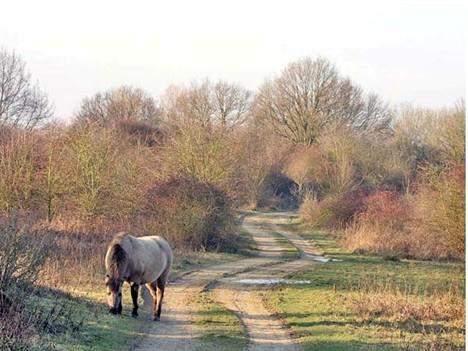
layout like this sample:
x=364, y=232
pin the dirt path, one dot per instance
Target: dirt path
x=174, y=331
x=266, y=332
x=225, y=282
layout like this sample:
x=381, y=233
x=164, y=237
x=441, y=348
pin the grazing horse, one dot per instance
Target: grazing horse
x=145, y=260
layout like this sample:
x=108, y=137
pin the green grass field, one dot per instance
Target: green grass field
x=324, y=314
x=331, y=313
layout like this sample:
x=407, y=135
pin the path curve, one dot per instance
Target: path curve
x=266, y=331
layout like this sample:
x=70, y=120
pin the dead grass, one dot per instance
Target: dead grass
x=415, y=309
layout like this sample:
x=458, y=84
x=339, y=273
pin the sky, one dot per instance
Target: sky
x=409, y=51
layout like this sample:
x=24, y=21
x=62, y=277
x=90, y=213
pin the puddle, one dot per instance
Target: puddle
x=319, y=258
x=322, y=259
x=271, y=281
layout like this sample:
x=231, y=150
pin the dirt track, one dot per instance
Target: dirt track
x=265, y=331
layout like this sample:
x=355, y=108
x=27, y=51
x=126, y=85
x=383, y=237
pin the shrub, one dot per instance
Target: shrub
x=52, y=174
x=140, y=132
x=17, y=168
x=439, y=208
x=339, y=148
x=207, y=154
x=277, y=192
x=429, y=224
x=382, y=227
x=104, y=173
x=190, y=213
x=311, y=211
x=21, y=256
x=431, y=136
x=334, y=211
x=257, y=155
x=303, y=166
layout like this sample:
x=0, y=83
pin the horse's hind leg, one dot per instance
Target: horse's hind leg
x=134, y=291
x=152, y=287
x=161, y=284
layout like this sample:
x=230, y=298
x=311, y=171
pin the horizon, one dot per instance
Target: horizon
x=392, y=48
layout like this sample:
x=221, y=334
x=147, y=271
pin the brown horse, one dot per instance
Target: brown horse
x=145, y=260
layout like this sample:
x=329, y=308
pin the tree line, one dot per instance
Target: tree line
x=309, y=138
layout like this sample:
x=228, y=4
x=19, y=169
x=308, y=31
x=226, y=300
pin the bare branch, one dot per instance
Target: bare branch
x=21, y=103
x=310, y=96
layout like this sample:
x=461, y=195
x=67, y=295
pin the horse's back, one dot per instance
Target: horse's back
x=158, y=245
x=153, y=255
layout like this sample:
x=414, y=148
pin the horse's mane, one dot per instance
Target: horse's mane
x=117, y=254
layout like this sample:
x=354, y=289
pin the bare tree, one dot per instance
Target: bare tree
x=21, y=103
x=309, y=96
x=225, y=104
x=231, y=103
x=122, y=104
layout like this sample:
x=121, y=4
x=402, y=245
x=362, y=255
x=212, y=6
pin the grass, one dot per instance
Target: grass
x=100, y=331
x=289, y=251
x=104, y=332
x=328, y=313
x=219, y=328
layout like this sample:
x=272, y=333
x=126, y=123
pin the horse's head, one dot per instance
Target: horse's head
x=114, y=294
x=116, y=263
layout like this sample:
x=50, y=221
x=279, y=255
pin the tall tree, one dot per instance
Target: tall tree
x=22, y=103
x=310, y=96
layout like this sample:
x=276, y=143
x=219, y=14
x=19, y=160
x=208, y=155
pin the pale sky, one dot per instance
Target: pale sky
x=406, y=51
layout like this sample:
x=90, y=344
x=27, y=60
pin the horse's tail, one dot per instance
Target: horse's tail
x=170, y=257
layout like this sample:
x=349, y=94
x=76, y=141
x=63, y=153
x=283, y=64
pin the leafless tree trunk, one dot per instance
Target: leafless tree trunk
x=21, y=103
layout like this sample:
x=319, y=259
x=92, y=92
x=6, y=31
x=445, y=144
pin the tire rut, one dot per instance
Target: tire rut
x=265, y=331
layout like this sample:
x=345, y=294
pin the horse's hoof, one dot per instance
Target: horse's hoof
x=134, y=314
x=156, y=319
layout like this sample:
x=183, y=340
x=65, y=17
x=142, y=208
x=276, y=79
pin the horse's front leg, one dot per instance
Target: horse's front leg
x=134, y=291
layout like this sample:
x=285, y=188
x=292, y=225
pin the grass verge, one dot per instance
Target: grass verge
x=101, y=331
x=219, y=328
x=365, y=302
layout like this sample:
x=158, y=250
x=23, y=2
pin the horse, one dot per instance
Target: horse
x=137, y=260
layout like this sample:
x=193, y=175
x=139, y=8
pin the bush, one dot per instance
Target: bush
x=17, y=168
x=140, y=132
x=278, y=192
x=202, y=153
x=190, y=214
x=382, y=227
x=258, y=155
x=439, y=212
x=21, y=256
x=105, y=173
x=431, y=136
x=427, y=225
x=334, y=211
